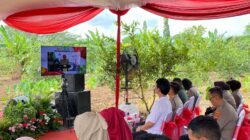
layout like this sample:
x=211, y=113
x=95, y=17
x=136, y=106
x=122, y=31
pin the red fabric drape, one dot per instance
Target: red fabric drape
x=169, y=129
x=187, y=115
x=180, y=122
x=51, y=20
x=199, y=9
x=117, y=127
x=244, y=130
x=197, y=111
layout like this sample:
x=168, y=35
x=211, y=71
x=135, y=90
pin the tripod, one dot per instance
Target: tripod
x=68, y=120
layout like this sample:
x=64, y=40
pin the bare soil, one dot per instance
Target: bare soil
x=101, y=97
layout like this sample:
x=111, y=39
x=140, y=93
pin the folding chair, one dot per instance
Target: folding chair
x=239, y=123
x=191, y=103
x=239, y=109
x=169, y=127
x=197, y=109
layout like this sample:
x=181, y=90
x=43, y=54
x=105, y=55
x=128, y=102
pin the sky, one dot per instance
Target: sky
x=104, y=23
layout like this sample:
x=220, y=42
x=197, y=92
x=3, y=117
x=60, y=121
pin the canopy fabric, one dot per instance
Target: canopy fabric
x=199, y=9
x=9, y=7
x=177, y=9
x=55, y=19
x=51, y=20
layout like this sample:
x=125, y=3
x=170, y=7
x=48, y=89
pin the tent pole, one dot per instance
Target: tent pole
x=118, y=43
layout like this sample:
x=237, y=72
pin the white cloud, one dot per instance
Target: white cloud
x=2, y=23
x=104, y=23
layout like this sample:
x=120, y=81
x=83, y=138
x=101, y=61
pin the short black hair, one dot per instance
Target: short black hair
x=163, y=85
x=187, y=84
x=175, y=86
x=177, y=80
x=149, y=136
x=216, y=91
x=205, y=126
x=222, y=85
x=234, y=84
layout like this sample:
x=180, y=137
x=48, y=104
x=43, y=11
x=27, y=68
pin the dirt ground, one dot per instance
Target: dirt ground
x=101, y=97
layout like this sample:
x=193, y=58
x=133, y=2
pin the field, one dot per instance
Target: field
x=101, y=97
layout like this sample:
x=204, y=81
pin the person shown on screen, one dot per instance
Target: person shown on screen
x=64, y=63
x=51, y=64
x=161, y=108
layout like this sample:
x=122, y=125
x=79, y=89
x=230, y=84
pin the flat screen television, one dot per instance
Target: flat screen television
x=59, y=60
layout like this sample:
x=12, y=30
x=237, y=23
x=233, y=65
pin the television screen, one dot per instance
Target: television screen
x=57, y=60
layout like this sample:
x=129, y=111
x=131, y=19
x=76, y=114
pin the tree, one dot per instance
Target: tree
x=247, y=30
x=157, y=57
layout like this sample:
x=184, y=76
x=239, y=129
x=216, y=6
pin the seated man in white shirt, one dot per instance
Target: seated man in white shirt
x=161, y=108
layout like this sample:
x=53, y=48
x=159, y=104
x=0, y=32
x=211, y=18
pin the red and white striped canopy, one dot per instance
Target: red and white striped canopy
x=47, y=16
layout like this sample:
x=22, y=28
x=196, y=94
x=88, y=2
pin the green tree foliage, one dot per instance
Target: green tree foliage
x=20, y=50
x=194, y=53
x=157, y=57
x=212, y=52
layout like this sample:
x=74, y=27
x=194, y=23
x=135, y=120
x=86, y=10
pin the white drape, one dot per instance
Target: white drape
x=8, y=7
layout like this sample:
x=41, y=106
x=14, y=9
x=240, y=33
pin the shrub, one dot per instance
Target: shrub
x=32, y=119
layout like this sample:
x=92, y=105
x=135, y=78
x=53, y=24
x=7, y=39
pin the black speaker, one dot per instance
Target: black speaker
x=78, y=102
x=75, y=82
x=82, y=100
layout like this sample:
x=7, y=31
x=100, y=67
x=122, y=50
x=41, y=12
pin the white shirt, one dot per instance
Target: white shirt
x=161, y=108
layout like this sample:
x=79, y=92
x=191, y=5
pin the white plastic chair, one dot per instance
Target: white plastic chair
x=191, y=103
x=25, y=138
x=239, y=123
x=240, y=107
x=179, y=111
x=186, y=104
x=197, y=103
x=169, y=117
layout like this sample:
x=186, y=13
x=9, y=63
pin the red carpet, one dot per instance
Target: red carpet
x=68, y=134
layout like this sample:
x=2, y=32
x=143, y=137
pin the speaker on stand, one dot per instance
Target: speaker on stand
x=73, y=99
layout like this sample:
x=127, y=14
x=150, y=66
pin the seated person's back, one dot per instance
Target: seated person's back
x=235, y=88
x=181, y=93
x=191, y=90
x=173, y=96
x=226, y=95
